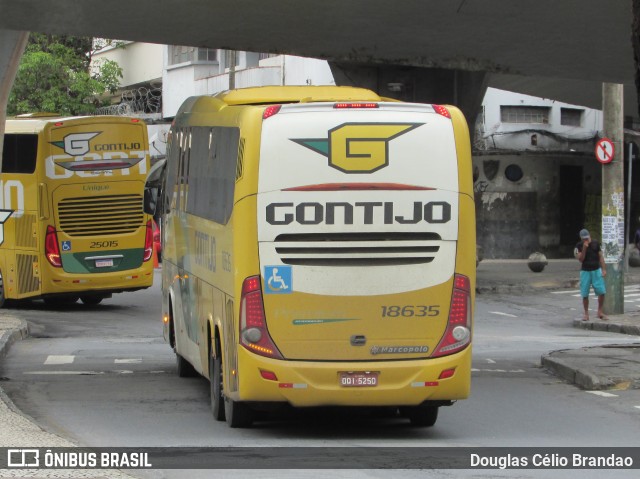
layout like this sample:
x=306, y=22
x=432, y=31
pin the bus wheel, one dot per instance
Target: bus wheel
x=91, y=299
x=2, y=297
x=185, y=369
x=215, y=379
x=237, y=414
x=421, y=416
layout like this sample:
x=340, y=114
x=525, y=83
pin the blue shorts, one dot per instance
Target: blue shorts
x=592, y=278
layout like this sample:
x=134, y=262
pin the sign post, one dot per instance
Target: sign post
x=613, y=231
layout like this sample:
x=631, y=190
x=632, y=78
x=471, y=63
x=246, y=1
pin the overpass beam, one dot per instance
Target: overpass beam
x=12, y=44
x=462, y=88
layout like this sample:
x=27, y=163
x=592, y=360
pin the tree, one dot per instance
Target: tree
x=55, y=76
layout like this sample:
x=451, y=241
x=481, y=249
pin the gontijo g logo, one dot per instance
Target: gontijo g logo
x=76, y=144
x=358, y=147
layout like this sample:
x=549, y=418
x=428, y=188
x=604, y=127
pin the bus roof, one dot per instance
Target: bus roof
x=295, y=94
x=34, y=123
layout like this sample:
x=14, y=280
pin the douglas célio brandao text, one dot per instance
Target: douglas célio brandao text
x=550, y=460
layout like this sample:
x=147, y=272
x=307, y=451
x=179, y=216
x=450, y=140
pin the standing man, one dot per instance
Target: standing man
x=592, y=272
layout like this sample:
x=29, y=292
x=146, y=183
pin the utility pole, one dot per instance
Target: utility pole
x=613, y=231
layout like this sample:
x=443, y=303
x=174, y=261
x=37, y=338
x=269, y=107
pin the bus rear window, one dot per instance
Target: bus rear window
x=19, y=153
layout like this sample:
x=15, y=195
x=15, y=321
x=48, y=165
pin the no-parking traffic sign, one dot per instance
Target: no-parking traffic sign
x=605, y=150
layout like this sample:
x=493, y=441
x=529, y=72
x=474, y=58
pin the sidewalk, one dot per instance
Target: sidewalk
x=19, y=431
x=614, y=366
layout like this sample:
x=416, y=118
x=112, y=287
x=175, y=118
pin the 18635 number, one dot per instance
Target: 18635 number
x=419, y=310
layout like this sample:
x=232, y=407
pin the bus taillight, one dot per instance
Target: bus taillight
x=253, y=326
x=51, y=247
x=148, y=242
x=458, y=333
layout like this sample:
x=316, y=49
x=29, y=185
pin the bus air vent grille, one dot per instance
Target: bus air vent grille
x=357, y=249
x=101, y=215
x=25, y=229
x=28, y=282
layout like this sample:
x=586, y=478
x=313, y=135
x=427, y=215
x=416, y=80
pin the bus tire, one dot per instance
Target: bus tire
x=215, y=380
x=2, y=296
x=91, y=299
x=185, y=369
x=421, y=416
x=237, y=414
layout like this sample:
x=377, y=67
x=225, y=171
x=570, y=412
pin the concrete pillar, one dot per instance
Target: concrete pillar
x=464, y=89
x=12, y=44
x=613, y=238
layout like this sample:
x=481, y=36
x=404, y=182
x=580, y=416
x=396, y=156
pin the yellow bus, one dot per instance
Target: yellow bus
x=71, y=208
x=319, y=250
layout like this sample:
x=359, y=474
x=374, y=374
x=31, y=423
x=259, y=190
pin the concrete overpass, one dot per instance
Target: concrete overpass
x=439, y=50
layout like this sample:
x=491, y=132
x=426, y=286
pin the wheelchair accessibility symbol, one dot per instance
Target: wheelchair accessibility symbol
x=66, y=246
x=279, y=279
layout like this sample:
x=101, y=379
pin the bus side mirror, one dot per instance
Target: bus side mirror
x=151, y=200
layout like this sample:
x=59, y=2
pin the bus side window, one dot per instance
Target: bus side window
x=19, y=153
x=212, y=175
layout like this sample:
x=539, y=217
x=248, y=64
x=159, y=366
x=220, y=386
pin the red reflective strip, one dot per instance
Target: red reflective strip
x=358, y=187
x=286, y=385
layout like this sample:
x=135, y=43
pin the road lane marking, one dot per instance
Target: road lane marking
x=128, y=361
x=59, y=359
x=70, y=373
x=503, y=314
x=603, y=394
x=490, y=361
x=566, y=292
x=475, y=370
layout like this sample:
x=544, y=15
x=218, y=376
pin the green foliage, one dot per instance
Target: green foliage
x=55, y=76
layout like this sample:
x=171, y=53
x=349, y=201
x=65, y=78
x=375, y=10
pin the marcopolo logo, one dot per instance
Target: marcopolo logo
x=358, y=147
x=76, y=144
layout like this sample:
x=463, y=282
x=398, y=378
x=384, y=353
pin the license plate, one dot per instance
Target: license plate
x=355, y=379
x=103, y=263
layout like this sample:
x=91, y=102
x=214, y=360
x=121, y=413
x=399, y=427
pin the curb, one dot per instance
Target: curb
x=579, y=377
x=608, y=326
x=12, y=335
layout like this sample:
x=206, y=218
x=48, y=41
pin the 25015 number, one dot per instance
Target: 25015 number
x=103, y=244
x=410, y=311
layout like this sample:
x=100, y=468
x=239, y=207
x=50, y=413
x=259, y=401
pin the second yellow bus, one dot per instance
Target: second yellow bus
x=72, y=222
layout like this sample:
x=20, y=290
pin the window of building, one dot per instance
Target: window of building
x=513, y=173
x=182, y=54
x=525, y=114
x=571, y=116
x=19, y=153
x=207, y=54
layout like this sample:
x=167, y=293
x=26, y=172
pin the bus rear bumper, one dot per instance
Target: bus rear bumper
x=116, y=282
x=308, y=384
